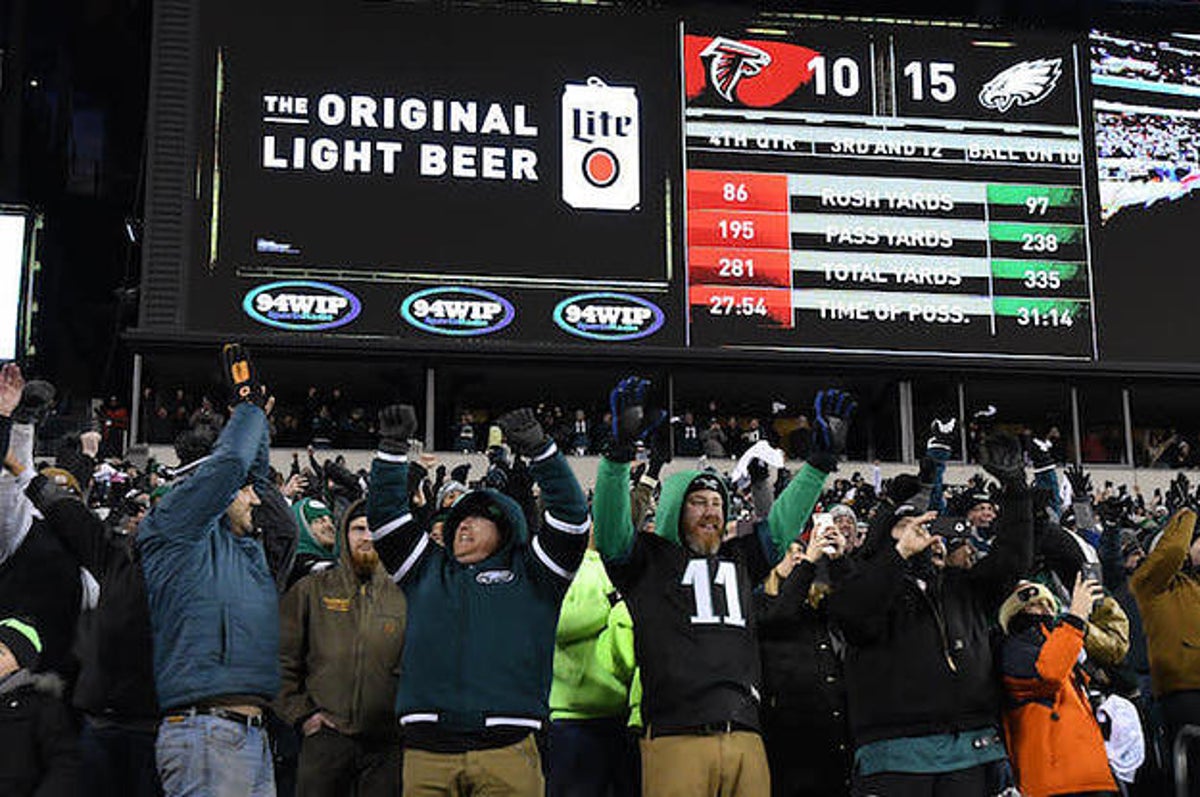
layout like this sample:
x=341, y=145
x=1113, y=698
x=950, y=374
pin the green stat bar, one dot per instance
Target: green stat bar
x=1015, y=232
x=1019, y=269
x=1012, y=306
x=1056, y=196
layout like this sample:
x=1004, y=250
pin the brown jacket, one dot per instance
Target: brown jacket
x=1106, y=639
x=1169, y=600
x=339, y=648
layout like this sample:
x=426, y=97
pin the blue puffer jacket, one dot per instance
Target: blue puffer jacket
x=213, y=605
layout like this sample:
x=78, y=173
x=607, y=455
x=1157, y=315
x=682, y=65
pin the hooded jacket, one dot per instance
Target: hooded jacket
x=1168, y=596
x=38, y=738
x=311, y=556
x=585, y=686
x=694, y=628
x=339, y=647
x=920, y=660
x=1052, y=734
x=479, y=647
x=214, y=608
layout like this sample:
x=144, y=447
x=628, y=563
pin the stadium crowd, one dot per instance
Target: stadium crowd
x=222, y=628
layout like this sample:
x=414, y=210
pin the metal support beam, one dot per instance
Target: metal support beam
x=430, y=407
x=1076, y=437
x=1128, y=417
x=907, y=446
x=962, y=421
x=135, y=403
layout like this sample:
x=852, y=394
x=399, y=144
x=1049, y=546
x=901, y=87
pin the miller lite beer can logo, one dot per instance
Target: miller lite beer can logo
x=601, y=140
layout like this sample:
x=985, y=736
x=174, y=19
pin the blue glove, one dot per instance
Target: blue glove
x=831, y=425
x=630, y=423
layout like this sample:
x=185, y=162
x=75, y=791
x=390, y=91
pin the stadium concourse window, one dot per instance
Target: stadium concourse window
x=322, y=401
x=1101, y=424
x=1026, y=406
x=934, y=397
x=1165, y=425
x=571, y=401
x=772, y=404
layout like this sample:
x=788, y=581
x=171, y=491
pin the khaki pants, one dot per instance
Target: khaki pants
x=721, y=765
x=513, y=771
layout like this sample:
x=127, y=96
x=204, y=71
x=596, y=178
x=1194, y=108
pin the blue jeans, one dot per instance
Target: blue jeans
x=204, y=756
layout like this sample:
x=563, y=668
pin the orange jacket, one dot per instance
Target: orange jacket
x=1053, y=739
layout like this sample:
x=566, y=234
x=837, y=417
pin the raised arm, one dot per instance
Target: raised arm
x=1012, y=552
x=77, y=527
x=1163, y=563
x=401, y=543
x=614, y=532
x=790, y=512
x=562, y=538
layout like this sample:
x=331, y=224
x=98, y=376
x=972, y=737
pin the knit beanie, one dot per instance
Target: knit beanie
x=1026, y=592
x=22, y=640
x=314, y=509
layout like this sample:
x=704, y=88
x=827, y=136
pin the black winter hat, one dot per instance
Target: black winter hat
x=23, y=642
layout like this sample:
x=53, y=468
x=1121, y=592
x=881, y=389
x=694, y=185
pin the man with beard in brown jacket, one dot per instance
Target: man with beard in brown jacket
x=341, y=634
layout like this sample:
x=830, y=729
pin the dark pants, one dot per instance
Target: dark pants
x=1180, y=709
x=333, y=765
x=960, y=783
x=118, y=761
x=804, y=763
x=591, y=758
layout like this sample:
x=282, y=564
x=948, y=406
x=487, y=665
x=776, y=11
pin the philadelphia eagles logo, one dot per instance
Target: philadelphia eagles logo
x=1023, y=84
x=730, y=62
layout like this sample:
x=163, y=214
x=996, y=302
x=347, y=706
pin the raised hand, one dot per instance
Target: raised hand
x=1041, y=454
x=524, y=435
x=240, y=376
x=1081, y=483
x=941, y=438
x=630, y=422
x=1001, y=456
x=912, y=534
x=11, y=385
x=397, y=423
x=831, y=426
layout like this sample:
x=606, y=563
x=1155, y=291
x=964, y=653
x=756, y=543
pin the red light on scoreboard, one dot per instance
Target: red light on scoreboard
x=737, y=191
x=738, y=229
x=770, y=307
x=763, y=267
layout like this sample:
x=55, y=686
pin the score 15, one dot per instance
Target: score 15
x=935, y=78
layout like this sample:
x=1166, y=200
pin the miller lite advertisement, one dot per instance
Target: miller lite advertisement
x=601, y=145
x=471, y=144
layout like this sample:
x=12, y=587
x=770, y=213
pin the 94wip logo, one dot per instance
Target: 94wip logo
x=1023, y=84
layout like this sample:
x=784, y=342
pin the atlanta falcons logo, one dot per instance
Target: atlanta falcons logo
x=1023, y=84
x=730, y=62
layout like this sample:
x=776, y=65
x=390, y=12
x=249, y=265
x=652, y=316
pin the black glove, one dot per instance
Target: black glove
x=524, y=435
x=941, y=438
x=831, y=425
x=630, y=422
x=397, y=423
x=758, y=470
x=1178, y=494
x=461, y=473
x=1081, y=483
x=660, y=451
x=1000, y=455
x=240, y=376
x=1041, y=454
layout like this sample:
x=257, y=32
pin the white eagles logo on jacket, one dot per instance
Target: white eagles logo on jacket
x=1023, y=84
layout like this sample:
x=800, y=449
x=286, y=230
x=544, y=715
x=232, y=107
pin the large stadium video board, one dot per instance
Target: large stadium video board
x=395, y=172
x=1146, y=104
x=518, y=179
x=887, y=190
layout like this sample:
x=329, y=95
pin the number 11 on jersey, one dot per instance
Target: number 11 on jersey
x=696, y=577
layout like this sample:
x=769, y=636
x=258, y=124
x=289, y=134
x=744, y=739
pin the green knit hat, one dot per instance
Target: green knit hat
x=22, y=640
x=314, y=509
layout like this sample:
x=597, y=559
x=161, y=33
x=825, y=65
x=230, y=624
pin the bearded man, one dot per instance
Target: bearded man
x=342, y=631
